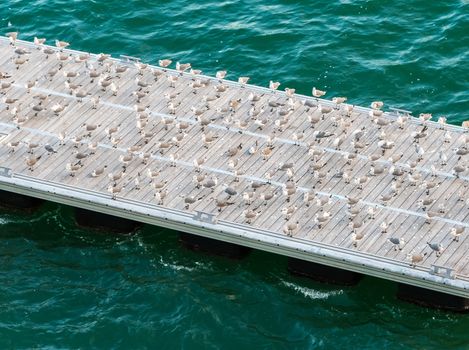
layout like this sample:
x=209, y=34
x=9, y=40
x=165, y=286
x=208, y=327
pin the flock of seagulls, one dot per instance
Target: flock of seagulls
x=342, y=146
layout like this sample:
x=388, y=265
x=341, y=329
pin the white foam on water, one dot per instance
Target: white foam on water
x=311, y=293
x=176, y=267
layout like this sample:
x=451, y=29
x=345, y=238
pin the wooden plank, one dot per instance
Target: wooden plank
x=118, y=110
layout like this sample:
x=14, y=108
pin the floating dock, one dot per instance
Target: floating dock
x=378, y=193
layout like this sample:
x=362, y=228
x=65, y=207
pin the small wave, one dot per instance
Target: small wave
x=177, y=267
x=199, y=266
x=4, y=221
x=311, y=293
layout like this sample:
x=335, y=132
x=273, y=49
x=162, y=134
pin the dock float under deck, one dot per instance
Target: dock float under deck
x=304, y=177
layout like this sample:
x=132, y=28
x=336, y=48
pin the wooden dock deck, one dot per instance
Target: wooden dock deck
x=295, y=175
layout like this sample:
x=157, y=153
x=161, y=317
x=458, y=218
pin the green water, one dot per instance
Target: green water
x=63, y=287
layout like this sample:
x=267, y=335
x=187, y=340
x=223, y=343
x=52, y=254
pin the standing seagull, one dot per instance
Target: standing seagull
x=243, y=80
x=39, y=42
x=273, y=85
x=318, y=93
x=61, y=44
x=437, y=247
x=221, y=74
x=12, y=36
x=456, y=232
x=397, y=242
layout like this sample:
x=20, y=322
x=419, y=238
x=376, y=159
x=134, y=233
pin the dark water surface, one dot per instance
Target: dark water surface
x=63, y=287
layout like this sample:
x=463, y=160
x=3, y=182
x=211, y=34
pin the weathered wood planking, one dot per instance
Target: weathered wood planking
x=229, y=116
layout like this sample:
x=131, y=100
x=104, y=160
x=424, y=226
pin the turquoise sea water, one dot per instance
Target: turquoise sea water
x=64, y=287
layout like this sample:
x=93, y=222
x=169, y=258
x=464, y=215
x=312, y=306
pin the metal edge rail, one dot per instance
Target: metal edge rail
x=238, y=234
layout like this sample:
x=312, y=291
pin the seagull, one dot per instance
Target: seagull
x=461, y=151
x=360, y=181
x=12, y=145
x=50, y=149
x=164, y=63
x=437, y=247
x=456, y=232
x=12, y=36
x=98, y=171
x=352, y=200
x=321, y=218
x=425, y=116
x=356, y=223
x=377, y=104
x=102, y=57
x=144, y=156
x=249, y=215
x=290, y=228
x=377, y=169
x=111, y=130
x=196, y=72
x=375, y=113
x=125, y=159
x=211, y=183
x=181, y=67
x=198, y=179
x=141, y=67
x=29, y=85
x=221, y=74
x=442, y=121
x=32, y=146
x=274, y=85
x=320, y=134
x=31, y=161
x=415, y=258
x=137, y=182
x=324, y=109
x=114, y=190
x=152, y=174
x=267, y=196
x=159, y=185
x=289, y=211
x=288, y=190
x=198, y=162
x=57, y=108
x=229, y=190
x=384, y=226
x=397, y=242
x=353, y=212
x=423, y=203
x=114, y=88
x=120, y=69
x=232, y=151
x=61, y=44
x=243, y=80
x=401, y=121
x=339, y=100
x=289, y=92
x=188, y=200
x=356, y=237
x=372, y=212
x=222, y=203
x=72, y=168
x=318, y=93
x=442, y=158
x=116, y=176
x=47, y=51
x=458, y=169
x=248, y=197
